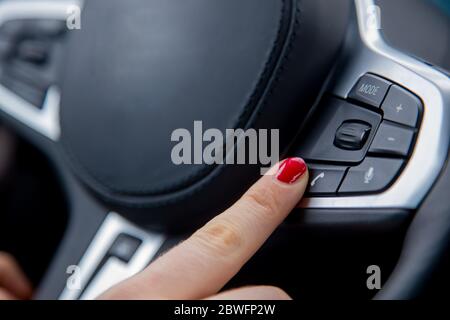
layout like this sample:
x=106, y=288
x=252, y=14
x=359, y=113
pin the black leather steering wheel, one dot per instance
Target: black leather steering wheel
x=101, y=102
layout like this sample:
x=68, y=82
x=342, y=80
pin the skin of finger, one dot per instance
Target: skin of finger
x=203, y=264
x=253, y=293
x=12, y=277
x=5, y=295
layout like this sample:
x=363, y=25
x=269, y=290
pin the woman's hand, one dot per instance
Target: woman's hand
x=199, y=267
x=13, y=282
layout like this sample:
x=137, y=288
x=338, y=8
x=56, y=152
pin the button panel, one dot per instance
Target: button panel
x=320, y=143
x=361, y=146
x=30, y=52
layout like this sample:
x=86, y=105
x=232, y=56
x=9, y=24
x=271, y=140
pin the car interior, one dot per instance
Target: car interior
x=86, y=116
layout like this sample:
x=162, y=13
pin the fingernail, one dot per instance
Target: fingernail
x=291, y=170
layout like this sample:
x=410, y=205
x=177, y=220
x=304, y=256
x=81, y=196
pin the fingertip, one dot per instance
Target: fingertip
x=291, y=170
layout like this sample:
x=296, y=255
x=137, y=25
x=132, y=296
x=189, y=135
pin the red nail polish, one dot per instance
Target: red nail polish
x=291, y=170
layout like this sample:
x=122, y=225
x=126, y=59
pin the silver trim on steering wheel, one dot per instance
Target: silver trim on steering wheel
x=432, y=86
x=44, y=120
x=93, y=282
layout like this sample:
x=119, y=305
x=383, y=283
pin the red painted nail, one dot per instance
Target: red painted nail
x=291, y=170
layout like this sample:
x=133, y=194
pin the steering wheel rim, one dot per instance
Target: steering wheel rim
x=42, y=129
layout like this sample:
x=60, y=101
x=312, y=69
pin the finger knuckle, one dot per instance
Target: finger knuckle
x=219, y=237
x=264, y=203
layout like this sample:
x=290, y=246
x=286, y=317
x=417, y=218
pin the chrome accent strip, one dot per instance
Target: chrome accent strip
x=45, y=120
x=113, y=225
x=432, y=86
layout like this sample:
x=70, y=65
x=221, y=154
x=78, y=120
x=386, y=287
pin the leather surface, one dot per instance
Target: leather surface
x=153, y=67
x=164, y=64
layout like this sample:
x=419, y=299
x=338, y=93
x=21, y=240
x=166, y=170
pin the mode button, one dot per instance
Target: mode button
x=370, y=90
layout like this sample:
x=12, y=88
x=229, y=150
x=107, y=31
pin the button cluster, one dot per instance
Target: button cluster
x=367, y=153
x=29, y=53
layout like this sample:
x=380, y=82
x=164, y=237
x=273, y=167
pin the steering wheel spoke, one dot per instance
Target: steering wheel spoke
x=99, y=248
x=31, y=38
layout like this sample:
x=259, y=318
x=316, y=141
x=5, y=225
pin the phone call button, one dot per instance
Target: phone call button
x=324, y=180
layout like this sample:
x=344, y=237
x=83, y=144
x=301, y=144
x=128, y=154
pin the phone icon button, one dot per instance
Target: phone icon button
x=325, y=180
x=316, y=179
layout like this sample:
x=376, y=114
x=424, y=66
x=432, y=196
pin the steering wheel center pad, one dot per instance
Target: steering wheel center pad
x=136, y=75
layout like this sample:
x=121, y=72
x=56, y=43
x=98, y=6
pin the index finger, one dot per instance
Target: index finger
x=203, y=264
